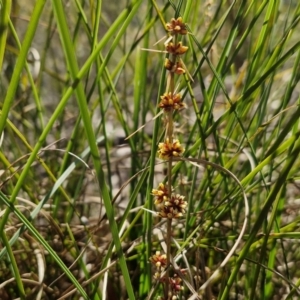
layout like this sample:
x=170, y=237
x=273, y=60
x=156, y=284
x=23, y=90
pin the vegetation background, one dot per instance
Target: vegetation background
x=77, y=216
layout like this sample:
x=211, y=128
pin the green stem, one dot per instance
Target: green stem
x=14, y=265
x=4, y=18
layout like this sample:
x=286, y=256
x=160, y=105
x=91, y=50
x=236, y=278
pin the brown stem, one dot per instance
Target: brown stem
x=168, y=242
x=169, y=221
x=170, y=130
x=169, y=133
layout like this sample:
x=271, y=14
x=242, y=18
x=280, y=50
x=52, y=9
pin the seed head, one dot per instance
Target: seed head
x=171, y=101
x=175, y=67
x=160, y=262
x=176, y=49
x=176, y=26
x=175, y=283
x=161, y=194
x=167, y=149
x=174, y=207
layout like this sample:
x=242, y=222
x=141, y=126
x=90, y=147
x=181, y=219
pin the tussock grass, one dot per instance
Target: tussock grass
x=77, y=214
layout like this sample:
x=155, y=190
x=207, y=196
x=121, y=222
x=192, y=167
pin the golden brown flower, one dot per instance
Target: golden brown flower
x=179, y=68
x=160, y=262
x=174, y=207
x=176, y=26
x=169, y=64
x=175, y=67
x=161, y=194
x=171, y=101
x=167, y=149
x=176, y=49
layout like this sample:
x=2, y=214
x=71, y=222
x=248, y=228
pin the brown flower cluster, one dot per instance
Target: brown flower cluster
x=177, y=49
x=174, y=207
x=176, y=287
x=176, y=26
x=171, y=207
x=161, y=194
x=160, y=262
x=170, y=101
x=169, y=149
x=174, y=67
